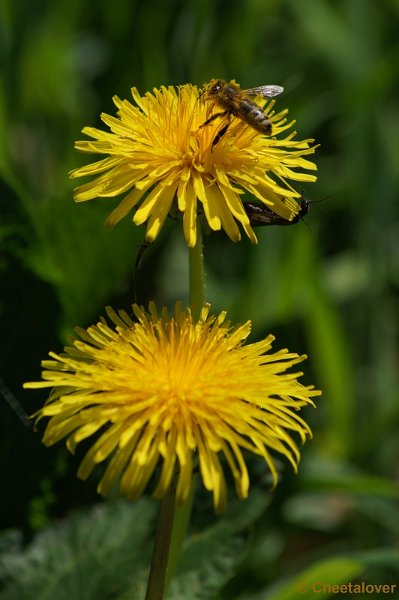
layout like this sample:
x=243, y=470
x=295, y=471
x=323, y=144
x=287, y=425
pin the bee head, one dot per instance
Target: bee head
x=214, y=87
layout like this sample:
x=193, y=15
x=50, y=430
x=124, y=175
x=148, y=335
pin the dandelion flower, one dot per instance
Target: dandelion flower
x=172, y=393
x=161, y=156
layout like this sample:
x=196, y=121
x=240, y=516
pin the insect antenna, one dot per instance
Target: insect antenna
x=201, y=93
x=306, y=206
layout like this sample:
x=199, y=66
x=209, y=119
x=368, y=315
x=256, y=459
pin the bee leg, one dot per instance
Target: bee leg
x=220, y=134
x=213, y=117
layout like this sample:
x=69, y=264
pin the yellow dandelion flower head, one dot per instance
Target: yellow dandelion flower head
x=177, y=394
x=161, y=152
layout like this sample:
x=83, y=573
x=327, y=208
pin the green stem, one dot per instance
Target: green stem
x=197, y=274
x=197, y=293
x=180, y=525
x=173, y=520
x=160, y=555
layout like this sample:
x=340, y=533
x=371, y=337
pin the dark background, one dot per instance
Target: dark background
x=327, y=287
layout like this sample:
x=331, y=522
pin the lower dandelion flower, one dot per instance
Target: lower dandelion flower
x=159, y=152
x=167, y=391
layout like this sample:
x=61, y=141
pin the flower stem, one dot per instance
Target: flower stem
x=173, y=520
x=197, y=292
x=197, y=274
x=160, y=555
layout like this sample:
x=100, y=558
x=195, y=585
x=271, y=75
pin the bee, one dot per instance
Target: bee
x=238, y=103
x=261, y=216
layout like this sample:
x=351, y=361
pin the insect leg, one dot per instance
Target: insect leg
x=215, y=116
x=220, y=134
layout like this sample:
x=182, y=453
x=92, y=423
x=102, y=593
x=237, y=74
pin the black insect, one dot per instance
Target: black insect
x=260, y=215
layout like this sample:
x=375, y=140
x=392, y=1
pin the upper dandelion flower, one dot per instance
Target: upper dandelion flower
x=159, y=150
x=168, y=391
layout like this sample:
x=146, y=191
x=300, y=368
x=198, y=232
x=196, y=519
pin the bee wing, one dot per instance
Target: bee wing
x=267, y=91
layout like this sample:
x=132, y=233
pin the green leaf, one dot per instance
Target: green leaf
x=328, y=577
x=86, y=262
x=94, y=555
x=319, y=578
x=210, y=558
x=325, y=474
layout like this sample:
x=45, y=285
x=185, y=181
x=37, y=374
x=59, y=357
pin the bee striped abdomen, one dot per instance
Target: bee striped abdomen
x=236, y=102
x=254, y=116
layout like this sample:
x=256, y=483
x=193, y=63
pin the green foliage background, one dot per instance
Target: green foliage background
x=330, y=289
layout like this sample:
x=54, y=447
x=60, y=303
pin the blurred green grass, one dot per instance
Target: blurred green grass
x=329, y=290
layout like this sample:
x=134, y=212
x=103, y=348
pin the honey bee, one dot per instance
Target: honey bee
x=261, y=216
x=237, y=102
